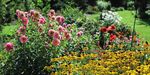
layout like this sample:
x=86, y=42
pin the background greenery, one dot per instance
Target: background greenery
x=93, y=7
x=83, y=13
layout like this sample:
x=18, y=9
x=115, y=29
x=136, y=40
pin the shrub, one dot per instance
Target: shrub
x=8, y=8
x=114, y=9
x=114, y=33
x=92, y=9
x=120, y=9
x=38, y=40
x=102, y=5
x=147, y=12
x=72, y=14
x=118, y=37
x=109, y=17
x=130, y=5
x=90, y=26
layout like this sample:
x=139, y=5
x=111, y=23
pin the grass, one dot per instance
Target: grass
x=93, y=16
x=142, y=27
x=9, y=30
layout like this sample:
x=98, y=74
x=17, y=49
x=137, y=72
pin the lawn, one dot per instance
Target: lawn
x=142, y=27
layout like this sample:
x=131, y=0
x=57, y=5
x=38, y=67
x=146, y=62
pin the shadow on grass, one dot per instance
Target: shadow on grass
x=144, y=22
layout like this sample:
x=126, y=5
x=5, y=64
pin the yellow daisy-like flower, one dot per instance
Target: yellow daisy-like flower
x=85, y=48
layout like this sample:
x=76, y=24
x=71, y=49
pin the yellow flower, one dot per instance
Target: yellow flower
x=110, y=63
x=54, y=73
x=85, y=48
x=121, y=46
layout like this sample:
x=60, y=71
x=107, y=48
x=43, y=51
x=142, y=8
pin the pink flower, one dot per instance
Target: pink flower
x=18, y=32
x=23, y=39
x=66, y=32
x=26, y=14
x=9, y=46
x=64, y=25
x=126, y=39
x=56, y=42
x=51, y=32
x=79, y=33
x=138, y=41
x=56, y=35
x=53, y=17
x=50, y=25
x=22, y=30
x=51, y=12
x=25, y=21
x=71, y=30
x=20, y=14
x=61, y=29
x=42, y=20
x=32, y=12
x=69, y=25
x=68, y=36
x=40, y=29
x=17, y=13
x=60, y=19
x=130, y=37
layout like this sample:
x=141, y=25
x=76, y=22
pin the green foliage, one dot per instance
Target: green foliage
x=102, y=5
x=32, y=56
x=92, y=10
x=26, y=61
x=114, y=9
x=120, y=9
x=72, y=14
x=9, y=30
x=9, y=7
x=142, y=27
x=90, y=26
x=2, y=11
x=130, y=5
x=25, y=58
x=108, y=18
x=147, y=12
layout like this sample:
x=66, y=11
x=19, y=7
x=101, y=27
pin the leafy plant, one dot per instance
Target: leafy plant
x=38, y=40
x=130, y=5
x=72, y=14
x=102, y=5
x=92, y=9
x=90, y=26
x=109, y=17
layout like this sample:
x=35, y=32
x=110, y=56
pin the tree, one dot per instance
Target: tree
x=141, y=7
x=118, y=3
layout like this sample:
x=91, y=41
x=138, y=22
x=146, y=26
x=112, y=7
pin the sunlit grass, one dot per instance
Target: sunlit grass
x=142, y=27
